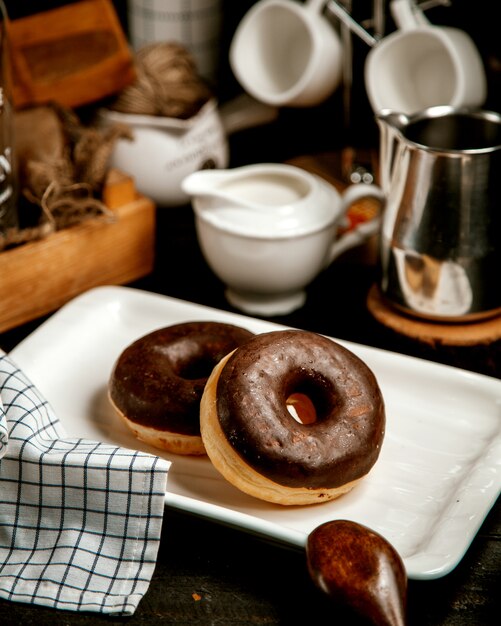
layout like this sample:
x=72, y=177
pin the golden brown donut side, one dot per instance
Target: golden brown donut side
x=176, y=443
x=246, y=418
x=236, y=471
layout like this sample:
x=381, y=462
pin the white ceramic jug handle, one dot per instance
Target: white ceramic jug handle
x=315, y=5
x=244, y=112
x=364, y=230
x=407, y=15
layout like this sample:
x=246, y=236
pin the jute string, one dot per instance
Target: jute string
x=67, y=187
x=167, y=83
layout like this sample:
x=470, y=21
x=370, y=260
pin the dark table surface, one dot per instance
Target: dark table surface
x=210, y=574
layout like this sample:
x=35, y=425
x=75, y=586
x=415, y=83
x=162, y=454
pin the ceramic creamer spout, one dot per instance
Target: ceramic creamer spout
x=261, y=188
x=391, y=124
x=207, y=186
x=204, y=182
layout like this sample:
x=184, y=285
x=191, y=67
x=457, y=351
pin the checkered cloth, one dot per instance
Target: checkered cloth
x=80, y=520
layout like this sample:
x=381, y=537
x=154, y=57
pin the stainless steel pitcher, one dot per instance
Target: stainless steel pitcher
x=441, y=229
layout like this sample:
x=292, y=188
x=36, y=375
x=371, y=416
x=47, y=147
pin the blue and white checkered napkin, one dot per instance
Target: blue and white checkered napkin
x=80, y=521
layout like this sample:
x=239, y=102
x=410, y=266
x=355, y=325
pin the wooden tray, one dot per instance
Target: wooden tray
x=37, y=278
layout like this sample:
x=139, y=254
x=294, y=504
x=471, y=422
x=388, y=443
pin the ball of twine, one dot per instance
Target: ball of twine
x=167, y=83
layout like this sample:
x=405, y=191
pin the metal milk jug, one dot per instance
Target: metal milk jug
x=440, y=243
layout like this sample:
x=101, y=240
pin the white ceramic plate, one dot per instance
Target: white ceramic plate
x=437, y=477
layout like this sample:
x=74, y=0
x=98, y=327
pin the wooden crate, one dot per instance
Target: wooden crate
x=37, y=278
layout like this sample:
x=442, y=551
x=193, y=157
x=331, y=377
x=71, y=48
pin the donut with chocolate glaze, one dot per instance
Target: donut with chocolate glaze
x=257, y=443
x=157, y=382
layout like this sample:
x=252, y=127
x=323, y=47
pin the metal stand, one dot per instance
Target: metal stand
x=356, y=166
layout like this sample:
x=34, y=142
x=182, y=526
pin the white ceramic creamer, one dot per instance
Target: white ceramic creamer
x=267, y=230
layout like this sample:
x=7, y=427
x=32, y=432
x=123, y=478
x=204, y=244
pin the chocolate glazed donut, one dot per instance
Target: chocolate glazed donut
x=158, y=381
x=325, y=457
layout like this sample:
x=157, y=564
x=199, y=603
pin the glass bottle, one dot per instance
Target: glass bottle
x=8, y=174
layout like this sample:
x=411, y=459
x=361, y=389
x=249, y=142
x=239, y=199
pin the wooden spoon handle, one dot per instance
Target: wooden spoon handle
x=357, y=567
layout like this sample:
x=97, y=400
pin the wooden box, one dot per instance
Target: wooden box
x=37, y=278
x=74, y=54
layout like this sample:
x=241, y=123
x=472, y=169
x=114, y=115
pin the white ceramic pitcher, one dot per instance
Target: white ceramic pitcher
x=267, y=230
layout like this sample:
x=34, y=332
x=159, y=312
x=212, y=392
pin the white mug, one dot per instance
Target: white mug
x=286, y=53
x=421, y=65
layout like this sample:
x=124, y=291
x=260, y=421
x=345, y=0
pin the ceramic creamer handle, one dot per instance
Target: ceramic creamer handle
x=364, y=230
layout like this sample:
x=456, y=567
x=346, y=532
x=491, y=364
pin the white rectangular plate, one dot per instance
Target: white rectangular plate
x=437, y=477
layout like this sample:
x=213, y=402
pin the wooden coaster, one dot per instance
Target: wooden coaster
x=444, y=333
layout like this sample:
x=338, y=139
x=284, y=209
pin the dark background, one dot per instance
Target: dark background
x=321, y=128
x=242, y=579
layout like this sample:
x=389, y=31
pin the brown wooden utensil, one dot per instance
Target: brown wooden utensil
x=357, y=567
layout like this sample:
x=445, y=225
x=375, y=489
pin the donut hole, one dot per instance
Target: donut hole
x=195, y=368
x=301, y=407
x=309, y=399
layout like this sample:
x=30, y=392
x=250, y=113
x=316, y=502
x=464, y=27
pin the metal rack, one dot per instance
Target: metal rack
x=369, y=30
